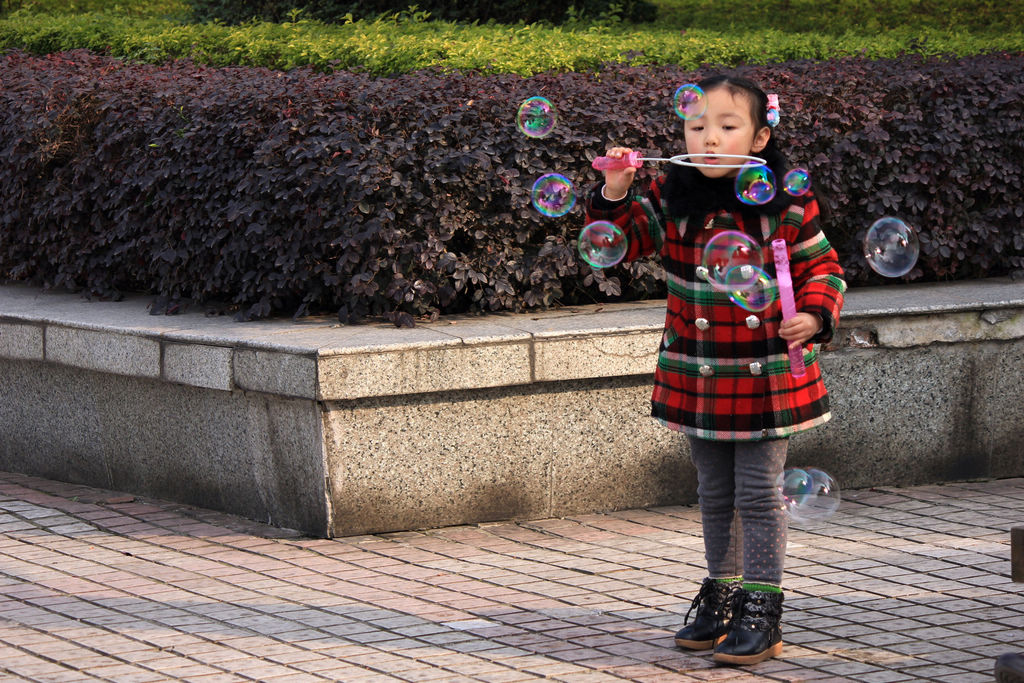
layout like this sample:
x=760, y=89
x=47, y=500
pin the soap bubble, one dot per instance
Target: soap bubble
x=690, y=102
x=809, y=495
x=755, y=184
x=734, y=254
x=891, y=247
x=553, y=195
x=797, y=182
x=602, y=244
x=536, y=117
x=752, y=294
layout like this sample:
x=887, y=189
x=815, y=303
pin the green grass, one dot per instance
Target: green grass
x=689, y=33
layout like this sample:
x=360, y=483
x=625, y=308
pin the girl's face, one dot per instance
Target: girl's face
x=726, y=128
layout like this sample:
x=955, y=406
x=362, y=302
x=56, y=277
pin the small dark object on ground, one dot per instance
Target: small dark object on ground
x=1010, y=668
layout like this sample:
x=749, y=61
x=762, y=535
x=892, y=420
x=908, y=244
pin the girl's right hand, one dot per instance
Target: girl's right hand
x=618, y=180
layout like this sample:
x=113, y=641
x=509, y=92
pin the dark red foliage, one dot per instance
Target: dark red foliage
x=306, y=192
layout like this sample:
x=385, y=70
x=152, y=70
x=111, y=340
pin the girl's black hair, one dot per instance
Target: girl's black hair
x=690, y=193
x=737, y=85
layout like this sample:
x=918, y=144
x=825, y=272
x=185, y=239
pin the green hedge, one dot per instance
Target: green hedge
x=468, y=11
x=838, y=16
x=136, y=8
x=401, y=45
x=805, y=16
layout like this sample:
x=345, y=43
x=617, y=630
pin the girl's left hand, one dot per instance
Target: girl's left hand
x=800, y=328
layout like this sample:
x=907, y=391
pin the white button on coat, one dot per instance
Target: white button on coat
x=753, y=322
x=707, y=370
x=702, y=324
x=755, y=368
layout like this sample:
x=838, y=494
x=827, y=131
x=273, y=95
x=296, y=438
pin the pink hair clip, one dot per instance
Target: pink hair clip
x=773, y=110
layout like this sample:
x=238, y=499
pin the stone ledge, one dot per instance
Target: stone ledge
x=422, y=370
x=119, y=354
x=316, y=358
x=274, y=372
x=198, y=365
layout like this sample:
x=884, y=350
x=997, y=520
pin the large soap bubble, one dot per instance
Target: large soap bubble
x=755, y=184
x=809, y=494
x=731, y=259
x=536, y=117
x=553, y=195
x=797, y=182
x=891, y=247
x=602, y=244
x=751, y=294
x=690, y=102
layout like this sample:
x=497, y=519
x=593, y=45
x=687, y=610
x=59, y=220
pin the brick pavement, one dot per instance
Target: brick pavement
x=905, y=584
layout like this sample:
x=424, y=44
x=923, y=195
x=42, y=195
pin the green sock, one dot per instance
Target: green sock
x=729, y=579
x=766, y=587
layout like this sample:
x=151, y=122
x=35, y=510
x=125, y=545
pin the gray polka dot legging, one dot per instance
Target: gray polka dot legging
x=737, y=479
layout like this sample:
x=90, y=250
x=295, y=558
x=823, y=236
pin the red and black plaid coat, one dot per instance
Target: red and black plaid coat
x=723, y=372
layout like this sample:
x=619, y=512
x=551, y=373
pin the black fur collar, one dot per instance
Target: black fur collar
x=690, y=193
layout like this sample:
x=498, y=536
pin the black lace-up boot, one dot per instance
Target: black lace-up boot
x=714, y=610
x=1010, y=668
x=754, y=634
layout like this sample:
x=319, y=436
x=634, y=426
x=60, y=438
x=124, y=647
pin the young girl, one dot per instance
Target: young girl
x=723, y=375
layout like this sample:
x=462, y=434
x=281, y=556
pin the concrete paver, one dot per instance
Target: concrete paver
x=902, y=584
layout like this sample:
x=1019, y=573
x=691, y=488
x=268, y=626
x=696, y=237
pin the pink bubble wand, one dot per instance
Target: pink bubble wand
x=796, y=353
x=631, y=160
x=634, y=160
